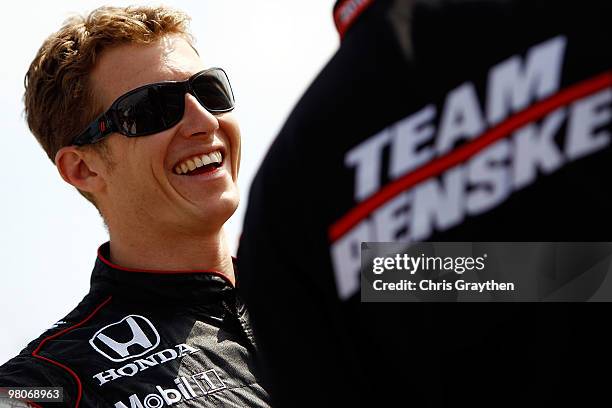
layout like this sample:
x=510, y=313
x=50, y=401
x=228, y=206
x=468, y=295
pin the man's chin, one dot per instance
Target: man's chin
x=213, y=217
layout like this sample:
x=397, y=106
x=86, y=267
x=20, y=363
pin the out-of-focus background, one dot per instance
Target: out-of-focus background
x=49, y=234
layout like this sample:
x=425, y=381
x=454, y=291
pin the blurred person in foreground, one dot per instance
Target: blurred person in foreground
x=436, y=120
x=122, y=103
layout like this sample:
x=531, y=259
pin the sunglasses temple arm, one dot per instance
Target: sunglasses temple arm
x=96, y=131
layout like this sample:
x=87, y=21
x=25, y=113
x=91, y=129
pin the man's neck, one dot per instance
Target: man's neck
x=184, y=253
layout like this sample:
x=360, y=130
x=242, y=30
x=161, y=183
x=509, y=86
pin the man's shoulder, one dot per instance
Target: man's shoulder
x=25, y=370
x=41, y=362
x=31, y=369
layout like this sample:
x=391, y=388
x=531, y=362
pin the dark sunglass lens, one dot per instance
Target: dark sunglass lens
x=213, y=91
x=150, y=110
x=171, y=103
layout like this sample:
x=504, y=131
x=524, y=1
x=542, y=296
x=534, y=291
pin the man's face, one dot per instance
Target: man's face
x=144, y=187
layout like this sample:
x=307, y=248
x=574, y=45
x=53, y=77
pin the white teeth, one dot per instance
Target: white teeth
x=206, y=159
x=195, y=162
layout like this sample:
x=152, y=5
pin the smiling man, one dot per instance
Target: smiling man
x=123, y=104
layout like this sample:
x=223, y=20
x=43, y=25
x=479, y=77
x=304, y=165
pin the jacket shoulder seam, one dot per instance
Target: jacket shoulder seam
x=36, y=352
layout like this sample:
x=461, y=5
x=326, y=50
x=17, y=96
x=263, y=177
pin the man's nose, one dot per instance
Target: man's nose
x=196, y=119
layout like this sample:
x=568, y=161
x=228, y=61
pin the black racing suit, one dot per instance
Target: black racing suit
x=146, y=339
x=436, y=120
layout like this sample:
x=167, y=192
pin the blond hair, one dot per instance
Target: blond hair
x=59, y=101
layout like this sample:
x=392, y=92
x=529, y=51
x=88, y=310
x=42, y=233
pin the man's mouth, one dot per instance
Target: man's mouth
x=204, y=163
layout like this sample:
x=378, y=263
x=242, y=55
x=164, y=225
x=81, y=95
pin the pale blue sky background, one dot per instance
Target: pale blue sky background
x=271, y=49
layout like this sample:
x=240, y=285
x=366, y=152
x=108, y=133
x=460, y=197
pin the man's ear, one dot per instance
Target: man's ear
x=80, y=169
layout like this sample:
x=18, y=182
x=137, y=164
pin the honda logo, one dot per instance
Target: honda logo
x=132, y=336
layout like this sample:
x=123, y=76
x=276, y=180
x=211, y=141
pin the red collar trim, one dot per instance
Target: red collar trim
x=122, y=268
x=347, y=12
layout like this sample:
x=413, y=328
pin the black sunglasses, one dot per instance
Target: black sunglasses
x=156, y=107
